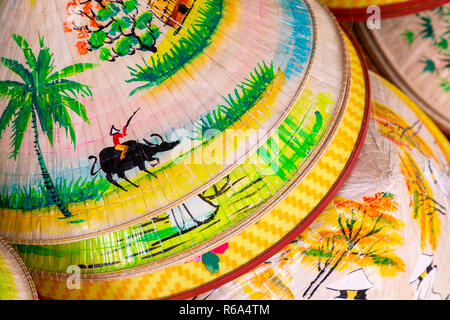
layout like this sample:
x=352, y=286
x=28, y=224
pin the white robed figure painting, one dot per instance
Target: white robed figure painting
x=425, y=274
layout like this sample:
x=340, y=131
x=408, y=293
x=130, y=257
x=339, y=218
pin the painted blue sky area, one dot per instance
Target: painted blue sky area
x=295, y=46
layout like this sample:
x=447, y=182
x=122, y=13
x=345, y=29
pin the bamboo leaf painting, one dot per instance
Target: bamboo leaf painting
x=425, y=208
x=430, y=66
x=428, y=30
x=400, y=132
x=434, y=32
x=409, y=36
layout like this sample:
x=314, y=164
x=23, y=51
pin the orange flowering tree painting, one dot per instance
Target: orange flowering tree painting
x=425, y=208
x=115, y=28
x=352, y=234
x=396, y=129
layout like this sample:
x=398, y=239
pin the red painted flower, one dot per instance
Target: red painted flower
x=83, y=34
x=71, y=6
x=104, y=2
x=82, y=47
x=220, y=249
x=94, y=23
x=211, y=259
x=87, y=7
x=67, y=26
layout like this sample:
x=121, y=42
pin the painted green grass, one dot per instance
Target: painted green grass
x=225, y=115
x=196, y=39
x=235, y=106
x=29, y=198
x=298, y=149
x=237, y=196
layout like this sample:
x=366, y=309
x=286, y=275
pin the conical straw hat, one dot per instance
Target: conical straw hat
x=15, y=280
x=256, y=240
x=394, y=213
x=409, y=51
x=226, y=73
x=362, y=10
x=233, y=203
x=353, y=281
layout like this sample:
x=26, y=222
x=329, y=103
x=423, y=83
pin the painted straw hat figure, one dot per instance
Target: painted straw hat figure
x=352, y=286
x=425, y=273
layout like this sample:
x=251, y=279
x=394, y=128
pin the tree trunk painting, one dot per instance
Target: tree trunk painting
x=353, y=234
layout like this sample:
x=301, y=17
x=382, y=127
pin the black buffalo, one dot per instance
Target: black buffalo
x=136, y=156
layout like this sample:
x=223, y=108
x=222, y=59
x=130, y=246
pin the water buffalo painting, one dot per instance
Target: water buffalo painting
x=136, y=156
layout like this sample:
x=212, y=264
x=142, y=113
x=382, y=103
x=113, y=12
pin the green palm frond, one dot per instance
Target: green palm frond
x=67, y=86
x=50, y=91
x=41, y=41
x=43, y=100
x=11, y=89
x=71, y=71
x=52, y=110
x=44, y=65
x=18, y=69
x=76, y=107
x=45, y=119
x=27, y=52
x=20, y=125
x=8, y=114
x=62, y=118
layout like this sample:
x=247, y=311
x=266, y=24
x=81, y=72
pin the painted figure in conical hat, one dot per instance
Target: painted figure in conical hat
x=354, y=286
x=425, y=273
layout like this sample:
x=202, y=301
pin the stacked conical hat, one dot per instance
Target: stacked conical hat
x=413, y=52
x=15, y=280
x=235, y=201
x=364, y=10
x=193, y=110
x=243, y=217
x=393, y=210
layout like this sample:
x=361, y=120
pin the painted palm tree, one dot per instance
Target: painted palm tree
x=45, y=95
